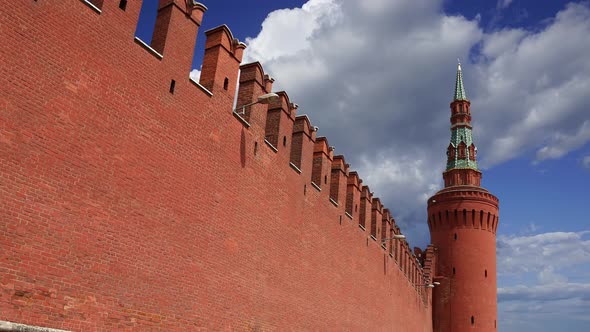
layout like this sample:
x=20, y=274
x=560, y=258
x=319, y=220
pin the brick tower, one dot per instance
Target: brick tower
x=463, y=218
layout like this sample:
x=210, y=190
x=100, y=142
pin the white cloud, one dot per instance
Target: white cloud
x=288, y=31
x=548, y=307
x=553, y=292
x=532, y=88
x=549, y=276
x=502, y=42
x=542, y=265
x=586, y=162
x=377, y=77
x=532, y=227
x=195, y=74
x=503, y=4
x=385, y=171
x=561, y=143
x=542, y=254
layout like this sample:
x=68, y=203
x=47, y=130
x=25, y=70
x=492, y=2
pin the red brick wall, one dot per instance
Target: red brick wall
x=124, y=207
x=163, y=19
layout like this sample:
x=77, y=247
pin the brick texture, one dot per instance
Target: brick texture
x=124, y=207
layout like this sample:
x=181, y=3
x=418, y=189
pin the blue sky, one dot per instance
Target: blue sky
x=243, y=17
x=377, y=77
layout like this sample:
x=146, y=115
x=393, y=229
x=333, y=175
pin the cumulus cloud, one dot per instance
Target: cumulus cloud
x=569, y=315
x=554, y=292
x=553, y=288
x=367, y=74
x=544, y=307
x=532, y=88
x=377, y=77
x=288, y=31
x=542, y=254
x=501, y=42
x=560, y=143
x=390, y=169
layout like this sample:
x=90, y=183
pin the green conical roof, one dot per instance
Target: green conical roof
x=459, y=88
x=461, y=153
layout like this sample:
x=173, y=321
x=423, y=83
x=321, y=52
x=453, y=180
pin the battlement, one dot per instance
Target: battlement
x=470, y=192
x=479, y=209
x=125, y=176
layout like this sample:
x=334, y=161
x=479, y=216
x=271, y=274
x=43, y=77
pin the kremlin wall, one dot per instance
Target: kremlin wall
x=133, y=198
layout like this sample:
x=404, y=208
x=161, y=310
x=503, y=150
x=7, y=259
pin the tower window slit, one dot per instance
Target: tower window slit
x=464, y=217
x=481, y=219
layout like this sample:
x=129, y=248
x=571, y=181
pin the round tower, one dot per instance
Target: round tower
x=463, y=218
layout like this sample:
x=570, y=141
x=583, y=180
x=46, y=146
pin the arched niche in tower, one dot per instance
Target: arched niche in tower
x=462, y=150
x=450, y=153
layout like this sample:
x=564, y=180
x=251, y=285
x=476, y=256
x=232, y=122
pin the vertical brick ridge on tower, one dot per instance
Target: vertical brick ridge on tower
x=133, y=198
x=463, y=219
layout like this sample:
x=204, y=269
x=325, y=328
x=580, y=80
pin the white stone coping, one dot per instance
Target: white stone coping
x=96, y=9
x=16, y=327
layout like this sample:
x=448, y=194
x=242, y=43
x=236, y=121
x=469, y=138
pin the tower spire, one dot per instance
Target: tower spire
x=463, y=219
x=459, y=88
x=461, y=152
